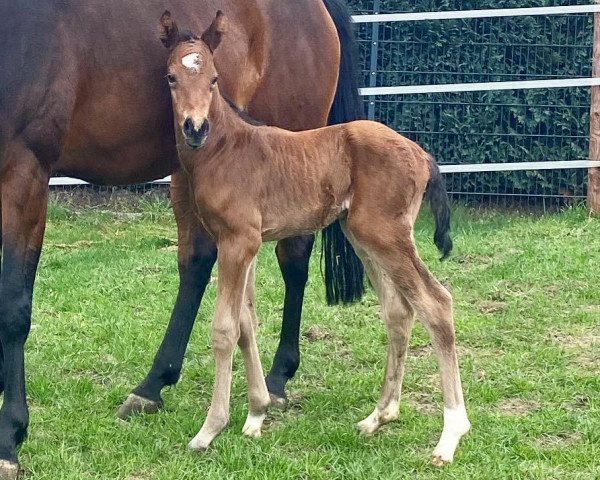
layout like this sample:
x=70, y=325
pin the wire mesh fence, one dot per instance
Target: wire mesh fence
x=486, y=127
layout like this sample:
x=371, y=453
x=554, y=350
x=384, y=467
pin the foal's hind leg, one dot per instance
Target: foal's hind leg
x=398, y=316
x=399, y=319
x=395, y=251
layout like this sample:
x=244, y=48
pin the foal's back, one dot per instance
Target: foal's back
x=328, y=167
x=299, y=182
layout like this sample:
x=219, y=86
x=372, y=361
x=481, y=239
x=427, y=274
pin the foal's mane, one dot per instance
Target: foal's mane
x=186, y=35
x=242, y=113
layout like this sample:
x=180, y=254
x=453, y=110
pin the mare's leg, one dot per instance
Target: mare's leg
x=293, y=255
x=197, y=253
x=394, y=250
x=234, y=259
x=1, y=351
x=398, y=317
x=24, y=193
x=1, y=367
x=258, y=395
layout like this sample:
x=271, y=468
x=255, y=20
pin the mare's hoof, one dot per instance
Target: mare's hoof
x=9, y=470
x=135, y=405
x=277, y=402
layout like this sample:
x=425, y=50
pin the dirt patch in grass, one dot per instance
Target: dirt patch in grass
x=420, y=351
x=554, y=289
x=338, y=347
x=583, y=341
x=585, y=345
x=517, y=406
x=317, y=333
x=492, y=306
x=474, y=259
x=560, y=440
x=590, y=309
x=588, y=360
x=148, y=270
x=424, y=351
x=277, y=416
x=422, y=402
x=75, y=245
x=579, y=402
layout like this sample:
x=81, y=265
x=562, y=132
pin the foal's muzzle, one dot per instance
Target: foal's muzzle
x=195, y=137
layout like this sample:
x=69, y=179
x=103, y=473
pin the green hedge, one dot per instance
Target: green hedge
x=483, y=127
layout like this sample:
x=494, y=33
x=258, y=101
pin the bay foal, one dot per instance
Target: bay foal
x=258, y=183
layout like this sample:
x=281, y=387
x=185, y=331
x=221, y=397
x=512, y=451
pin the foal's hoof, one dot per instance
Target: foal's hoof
x=440, y=460
x=253, y=426
x=368, y=427
x=135, y=405
x=9, y=470
x=277, y=402
x=197, y=446
x=443, y=455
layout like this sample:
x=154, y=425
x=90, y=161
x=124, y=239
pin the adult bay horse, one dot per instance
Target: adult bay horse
x=82, y=92
x=259, y=183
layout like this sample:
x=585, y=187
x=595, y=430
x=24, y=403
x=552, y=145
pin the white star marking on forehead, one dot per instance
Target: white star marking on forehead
x=192, y=61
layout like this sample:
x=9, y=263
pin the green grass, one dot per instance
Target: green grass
x=527, y=307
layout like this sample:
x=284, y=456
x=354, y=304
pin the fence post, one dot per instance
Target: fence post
x=374, y=57
x=593, y=197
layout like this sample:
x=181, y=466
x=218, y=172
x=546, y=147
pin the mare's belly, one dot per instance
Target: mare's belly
x=120, y=131
x=136, y=160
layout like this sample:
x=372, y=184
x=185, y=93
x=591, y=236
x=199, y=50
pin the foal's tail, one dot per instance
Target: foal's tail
x=440, y=206
x=344, y=272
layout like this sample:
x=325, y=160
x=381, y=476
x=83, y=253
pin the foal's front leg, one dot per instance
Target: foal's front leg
x=258, y=395
x=234, y=259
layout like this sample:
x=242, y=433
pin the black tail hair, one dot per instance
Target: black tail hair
x=344, y=272
x=440, y=206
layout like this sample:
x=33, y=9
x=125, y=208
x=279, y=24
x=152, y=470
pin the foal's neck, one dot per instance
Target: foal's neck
x=223, y=118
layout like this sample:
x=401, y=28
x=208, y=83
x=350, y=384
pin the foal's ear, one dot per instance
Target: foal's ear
x=168, y=31
x=213, y=36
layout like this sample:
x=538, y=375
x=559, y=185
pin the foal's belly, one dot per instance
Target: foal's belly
x=303, y=220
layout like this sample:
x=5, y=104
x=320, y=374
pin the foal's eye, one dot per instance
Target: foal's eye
x=171, y=79
x=214, y=81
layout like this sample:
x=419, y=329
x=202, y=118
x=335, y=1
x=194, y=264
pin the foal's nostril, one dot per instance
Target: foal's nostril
x=204, y=128
x=188, y=127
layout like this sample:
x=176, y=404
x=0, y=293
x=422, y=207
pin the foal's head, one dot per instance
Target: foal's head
x=191, y=75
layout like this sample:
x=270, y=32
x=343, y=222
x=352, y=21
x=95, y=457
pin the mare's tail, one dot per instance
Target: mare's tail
x=344, y=272
x=440, y=206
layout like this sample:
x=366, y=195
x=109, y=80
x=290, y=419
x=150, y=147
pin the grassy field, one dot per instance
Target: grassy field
x=527, y=305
